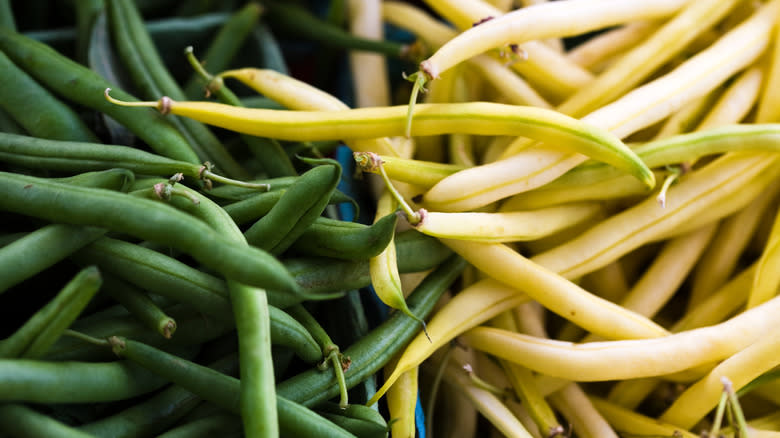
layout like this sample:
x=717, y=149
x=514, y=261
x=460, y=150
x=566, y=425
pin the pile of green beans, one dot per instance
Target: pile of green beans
x=159, y=278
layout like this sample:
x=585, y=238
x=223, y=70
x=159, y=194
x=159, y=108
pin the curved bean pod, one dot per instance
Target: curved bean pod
x=479, y=118
x=629, y=359
x=346, y=240
x=20, y=420
x=542, y=21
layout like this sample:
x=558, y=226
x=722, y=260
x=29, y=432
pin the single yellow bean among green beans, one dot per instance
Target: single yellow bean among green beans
x=479, y=118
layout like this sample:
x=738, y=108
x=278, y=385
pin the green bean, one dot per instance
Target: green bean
x=7, y=15
x=7, y=124
x=225, y=45
x=24, y=99
x=223, y=425
x=150, y=76
x=223, y=390
x=415, y=253
x=21, y=421
x=250, y=307
x=164, y=275
x=273, y=157
x=298, y=207
x=141, y=306
x=255, y=207
x=40, y=249
x=361, y=420
x=71, y=156
x=73, y=382
x=87, y=12
x=145, y=219
x=41, y=330
x=346, y=240
x=289, y=332
x=299, y=22
x=112, y=179
x=270, y=52
x=79, y=84
x=193, y=328
x=156, y=414
x=328, y=348
x=374, y=350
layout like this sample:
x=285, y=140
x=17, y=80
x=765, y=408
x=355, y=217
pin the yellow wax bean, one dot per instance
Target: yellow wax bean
x=575, y=406
x=401, y=404
x=546, y=20
x=591, y=180
x=768, y=110
x=383, y=268
x=631, y=422
x=767, y=277
x=523, y=382
x=638, y=109
x=600, y=48
x=545, y=67
x=369, y=70
x=472, y=306
x=737, y=101
x=744, y=366
x=637, y=64
x=417, y=172
x=554, y=292
x=435, y=33
x=722, y=257
x=667, y=272
x=487, y=403
x=505, y=226
x=629, y=359
x=298, y=95
x=646, y=221
x=480, y=118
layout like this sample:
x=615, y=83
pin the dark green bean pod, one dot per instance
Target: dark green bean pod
x=87, y=12
x=81, y=85
x=346, y=240
x=271, y=56
x=141, y=306
x=8, y=124
x=7, y=15
x=298, y=207
x=153, y=80
x=36, y=109
x=112, y=179
x=415, y=253
x=41, y=330
x=225, y=45
x=39, y=381
x=145, y=219
x=223, y=390
x=288, y=332
x=360, y=420
x=374, y=350
x=222, y=425
x=288, y=18
x=71, y=156
x=193, y=328
x=257, y=206
x=156, y=414
x=158, y=273
x=41, y=249
x=18, y=420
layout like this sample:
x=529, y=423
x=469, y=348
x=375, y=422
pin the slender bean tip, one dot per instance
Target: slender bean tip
x=163, y=105
x=556, y=430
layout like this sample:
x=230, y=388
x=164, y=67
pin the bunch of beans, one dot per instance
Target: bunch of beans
x=240, y=219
